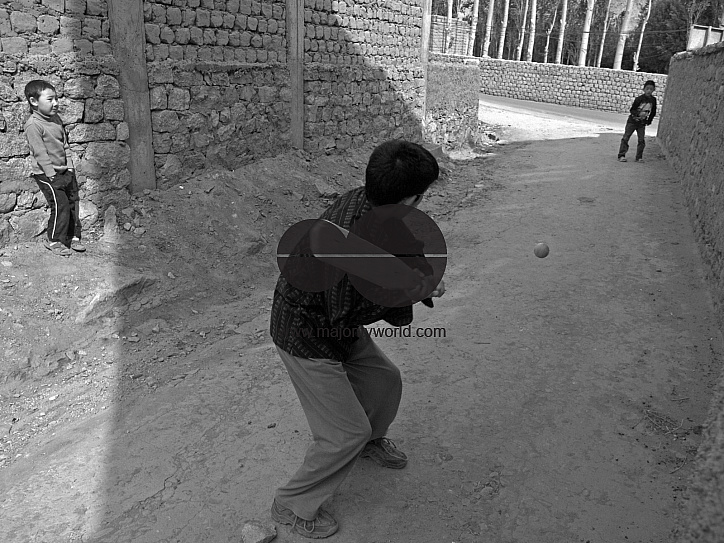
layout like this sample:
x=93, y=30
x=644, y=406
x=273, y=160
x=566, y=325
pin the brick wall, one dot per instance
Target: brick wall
x=580, y=86
x=691, y=131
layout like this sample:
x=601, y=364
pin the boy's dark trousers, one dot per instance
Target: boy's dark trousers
x=631, y=127
x=61, y=193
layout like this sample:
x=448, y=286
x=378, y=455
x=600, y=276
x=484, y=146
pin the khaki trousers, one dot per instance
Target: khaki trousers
x=346, y=404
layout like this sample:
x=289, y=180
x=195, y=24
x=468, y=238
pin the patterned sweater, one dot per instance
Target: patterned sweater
x=325, y=324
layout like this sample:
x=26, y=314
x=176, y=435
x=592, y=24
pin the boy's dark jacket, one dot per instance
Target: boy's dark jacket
x=643, y=110
x=297, y=316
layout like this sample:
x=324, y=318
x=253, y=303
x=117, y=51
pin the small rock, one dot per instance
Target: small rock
x=6, y=263
x=171, y=275
x=324, y=190
x=134, y=339
x=258, y=532
x=127, y=226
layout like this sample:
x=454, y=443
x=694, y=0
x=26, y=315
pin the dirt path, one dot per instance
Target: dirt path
x=564, y=404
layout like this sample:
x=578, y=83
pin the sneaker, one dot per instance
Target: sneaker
x=639, y=160
x=57, y=248
x=622, y=159
x=384, y=452
x=76, y=245
x=322, y=526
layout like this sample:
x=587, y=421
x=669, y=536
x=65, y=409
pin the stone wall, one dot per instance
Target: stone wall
x=364, y=80
x=580, y=86
x=218, y=82
x=459, y=36
x=691, y=132
x=67, y=43
x=451, y=114
x=219, y=87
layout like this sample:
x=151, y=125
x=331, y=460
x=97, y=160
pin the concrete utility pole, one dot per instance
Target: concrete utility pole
x=128, y=39
x=295, y=60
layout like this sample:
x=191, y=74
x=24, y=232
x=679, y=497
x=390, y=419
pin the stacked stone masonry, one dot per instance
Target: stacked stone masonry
x=45, y=27
x=93, y=113
x=692, y=134
x=457, y=35
x=579, y=86
x=451, y=114
x=219, y=86
x=364, y=79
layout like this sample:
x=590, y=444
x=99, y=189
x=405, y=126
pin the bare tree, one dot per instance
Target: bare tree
x=641, y=39
x=531, y=34
x=583, y=51
x=521, y=34
x=503, y=27
x=549, y=31
x=488, y=27
x=562, y=33
x=474, y=30
x=603, y=36
x=623, y=35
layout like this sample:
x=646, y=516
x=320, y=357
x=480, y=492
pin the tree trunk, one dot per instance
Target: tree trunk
x=521, y=34
x=503, y=27
x=474, y=29
x=583, y=52
x=549, y=31
x=623, y=35
x=448, y=30
x=488, y=28
x=641, y=39
x=531, y=34
x=603, y=37
x=562, y=34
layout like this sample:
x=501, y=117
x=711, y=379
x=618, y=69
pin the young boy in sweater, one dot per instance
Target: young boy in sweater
x=52, y=168
x=642, y=114
x=349, y=390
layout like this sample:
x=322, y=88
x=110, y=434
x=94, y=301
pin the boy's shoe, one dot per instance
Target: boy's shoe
x=384, y=452
x=322, y=526
x=76, y=245
x=622, y=159
x=639, y=160
x=57, y=248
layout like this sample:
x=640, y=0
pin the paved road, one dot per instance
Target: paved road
x=615, y=121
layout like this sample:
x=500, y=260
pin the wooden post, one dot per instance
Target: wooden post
x=425, y=50
x=295, y=61
x=128, y=39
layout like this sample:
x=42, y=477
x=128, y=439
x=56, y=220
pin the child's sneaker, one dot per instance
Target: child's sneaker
x=622, y=159
x=322, y=526
x=76, y=245
x=639, y=160
x=385, y=453
x=57, y=248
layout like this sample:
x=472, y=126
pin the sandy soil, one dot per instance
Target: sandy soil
x=142, y=400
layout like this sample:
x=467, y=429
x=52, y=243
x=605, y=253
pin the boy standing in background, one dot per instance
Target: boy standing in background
x=642, y=114
x=52, y=168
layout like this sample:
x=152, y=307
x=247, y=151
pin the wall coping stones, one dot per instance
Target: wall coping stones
x=703, y=51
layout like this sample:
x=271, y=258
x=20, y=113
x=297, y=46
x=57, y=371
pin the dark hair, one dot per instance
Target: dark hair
x=35, y=88
x=650, y=82
x=398, y=169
